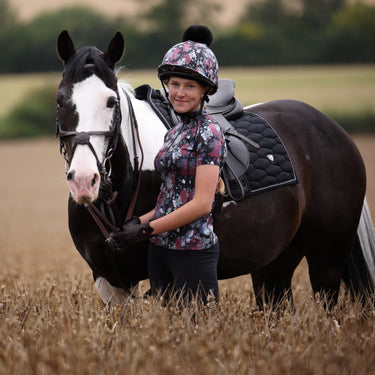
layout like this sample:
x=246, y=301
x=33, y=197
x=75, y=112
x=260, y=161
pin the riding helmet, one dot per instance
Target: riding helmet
x=192, y=58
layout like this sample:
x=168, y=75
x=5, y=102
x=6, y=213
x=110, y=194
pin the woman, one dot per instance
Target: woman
x=183, y=249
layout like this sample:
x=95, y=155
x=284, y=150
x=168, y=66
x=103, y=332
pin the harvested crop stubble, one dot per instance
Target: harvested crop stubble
x=52, y=320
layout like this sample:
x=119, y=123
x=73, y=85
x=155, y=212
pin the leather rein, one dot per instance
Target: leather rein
x=108, y=207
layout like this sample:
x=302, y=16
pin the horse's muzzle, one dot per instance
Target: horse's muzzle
x=83, y=188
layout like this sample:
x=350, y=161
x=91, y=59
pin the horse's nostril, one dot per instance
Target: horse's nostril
x=70, y=175
x=94, y=180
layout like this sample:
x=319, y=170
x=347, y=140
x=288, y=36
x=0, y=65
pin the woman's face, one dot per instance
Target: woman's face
x=185, y=95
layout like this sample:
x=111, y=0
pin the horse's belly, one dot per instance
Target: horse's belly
x=256, y=230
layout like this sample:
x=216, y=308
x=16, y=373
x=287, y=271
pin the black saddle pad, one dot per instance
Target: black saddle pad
x=270, y=165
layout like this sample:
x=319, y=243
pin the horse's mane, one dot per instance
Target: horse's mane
x=126, y=86
x=87, y=61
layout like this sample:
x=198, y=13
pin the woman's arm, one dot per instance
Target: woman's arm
x=205, y=187
x=147, y=217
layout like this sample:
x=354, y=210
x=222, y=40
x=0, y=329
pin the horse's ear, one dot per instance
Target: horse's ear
x=65, y=46
x=115, y=50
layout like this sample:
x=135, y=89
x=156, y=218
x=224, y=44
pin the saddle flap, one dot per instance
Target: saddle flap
x=238, y=157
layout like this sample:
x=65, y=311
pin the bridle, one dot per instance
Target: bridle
x=108, y=207
x=83, y=138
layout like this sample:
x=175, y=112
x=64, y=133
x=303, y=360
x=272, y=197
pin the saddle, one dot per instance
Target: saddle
x=223, y=106
x=256, y=158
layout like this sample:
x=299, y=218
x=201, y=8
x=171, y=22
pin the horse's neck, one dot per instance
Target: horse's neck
x=151, y=129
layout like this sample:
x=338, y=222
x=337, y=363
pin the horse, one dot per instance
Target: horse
x=109, y=139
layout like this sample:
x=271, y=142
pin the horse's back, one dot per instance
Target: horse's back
x=327, y=162
x=325, y=203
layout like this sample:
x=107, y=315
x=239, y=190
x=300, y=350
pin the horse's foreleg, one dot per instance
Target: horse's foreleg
x=112, y=296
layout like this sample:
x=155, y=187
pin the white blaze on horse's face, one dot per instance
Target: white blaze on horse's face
x=90, y=99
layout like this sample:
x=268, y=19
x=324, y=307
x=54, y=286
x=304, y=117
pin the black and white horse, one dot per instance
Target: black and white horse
x=105, y=132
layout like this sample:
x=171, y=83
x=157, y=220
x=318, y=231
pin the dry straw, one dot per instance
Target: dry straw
x=52, y=320
x=60, y=326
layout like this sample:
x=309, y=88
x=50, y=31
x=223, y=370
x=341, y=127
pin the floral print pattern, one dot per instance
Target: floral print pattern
x=197, y=140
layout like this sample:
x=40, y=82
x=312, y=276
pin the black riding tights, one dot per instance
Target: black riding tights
x=184, y=273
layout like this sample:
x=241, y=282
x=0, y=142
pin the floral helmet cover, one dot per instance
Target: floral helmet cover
x=192, y=58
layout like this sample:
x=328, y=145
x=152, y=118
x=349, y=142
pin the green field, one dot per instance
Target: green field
x=329, y=88
x=15, y=87
x=344, y=90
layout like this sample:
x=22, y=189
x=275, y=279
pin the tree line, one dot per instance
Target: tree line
x=270, y=32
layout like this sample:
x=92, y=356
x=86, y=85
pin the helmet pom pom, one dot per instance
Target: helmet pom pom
x=199, y=34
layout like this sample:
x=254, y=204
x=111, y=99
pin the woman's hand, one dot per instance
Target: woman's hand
x=132, y=231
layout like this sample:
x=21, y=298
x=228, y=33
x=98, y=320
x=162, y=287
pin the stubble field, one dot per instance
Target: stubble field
x=53, y=322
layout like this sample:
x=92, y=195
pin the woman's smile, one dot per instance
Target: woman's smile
x=185, y=95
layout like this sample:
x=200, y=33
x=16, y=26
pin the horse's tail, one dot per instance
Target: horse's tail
x=359, y=274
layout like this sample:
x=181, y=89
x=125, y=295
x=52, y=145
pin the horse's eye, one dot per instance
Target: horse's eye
x=111, y=102
x=60, y=100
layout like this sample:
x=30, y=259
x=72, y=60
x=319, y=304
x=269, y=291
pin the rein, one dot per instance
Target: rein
x=137, y=167
x=83, y=138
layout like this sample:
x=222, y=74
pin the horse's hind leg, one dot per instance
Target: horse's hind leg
x=326, y=267
x=326, y=255
x=272, y=284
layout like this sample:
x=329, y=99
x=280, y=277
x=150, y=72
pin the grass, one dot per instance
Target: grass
x=343, y=89
x=332, y=89
x=344, y=93
x=14, y=88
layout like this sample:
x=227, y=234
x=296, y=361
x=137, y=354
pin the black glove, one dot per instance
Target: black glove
x=132, y=231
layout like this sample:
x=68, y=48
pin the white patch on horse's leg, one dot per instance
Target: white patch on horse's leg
x=134, y=292
x=112, y=296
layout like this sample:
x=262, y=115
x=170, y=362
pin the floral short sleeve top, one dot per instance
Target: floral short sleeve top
x=197, y=140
